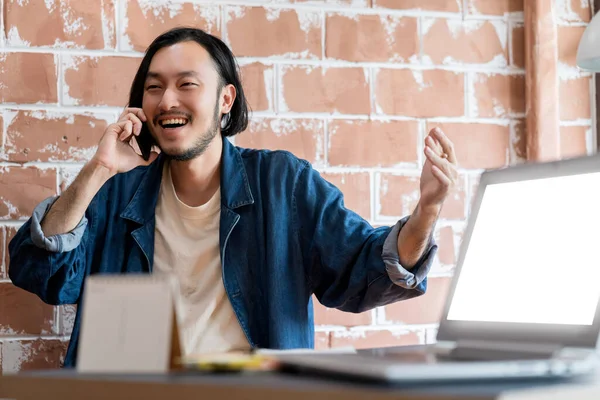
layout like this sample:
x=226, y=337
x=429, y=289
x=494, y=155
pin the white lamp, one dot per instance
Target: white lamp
x=588, y=52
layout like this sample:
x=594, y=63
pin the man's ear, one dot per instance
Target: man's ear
x=228, y=94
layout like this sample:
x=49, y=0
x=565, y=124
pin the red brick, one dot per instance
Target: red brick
x=264, y=32
x=27, y=355
x=425, y=309
x=147, y=20
x=568, y=42
x=98, y=80
x=574, y=97
x=420, y=94
x=518, y=46
x=373, y=339
x=86, y=24
x=448, y=41
x=10, y=232
x=399, y=195
x=22, y=312
x=302, y=137
x=326, y=90
x=574, y=10
x=429, y=5
x=494, y=7
x=371, y=38
x=258, y=81
x=331, y=316
x=322, y=340
x=28, y=78
x=499, y=96
x=44, y=136
x=372, y=143
x=478, y=145
x=454, y=205
x=445, y=240
x=22, y=189
x=356, y=188
x=573, y=141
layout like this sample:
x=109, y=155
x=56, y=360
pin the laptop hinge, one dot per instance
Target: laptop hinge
x=494, y=350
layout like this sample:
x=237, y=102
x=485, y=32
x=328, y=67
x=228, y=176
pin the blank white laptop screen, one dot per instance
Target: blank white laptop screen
x=533, y=254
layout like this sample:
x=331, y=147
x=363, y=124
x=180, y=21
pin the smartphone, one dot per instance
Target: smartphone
x=145, y=141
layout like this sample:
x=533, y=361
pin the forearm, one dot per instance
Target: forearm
x=69, y=208
x=414, y=236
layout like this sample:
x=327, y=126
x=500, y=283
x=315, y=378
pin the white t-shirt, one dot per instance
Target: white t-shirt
x=186, y=246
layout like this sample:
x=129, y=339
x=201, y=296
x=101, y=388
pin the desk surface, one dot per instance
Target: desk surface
x=67, y=384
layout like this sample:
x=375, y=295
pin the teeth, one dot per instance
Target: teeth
x=172, y=121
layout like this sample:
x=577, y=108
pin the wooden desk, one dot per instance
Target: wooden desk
x=68, y=385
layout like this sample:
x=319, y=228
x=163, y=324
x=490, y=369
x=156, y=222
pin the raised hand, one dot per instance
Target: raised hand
x=116, y=150
x=440, y=170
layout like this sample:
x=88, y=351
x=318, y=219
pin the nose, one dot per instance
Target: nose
x=168, y=101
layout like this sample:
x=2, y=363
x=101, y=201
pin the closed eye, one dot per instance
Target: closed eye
x=189, y=84
x=149, y=87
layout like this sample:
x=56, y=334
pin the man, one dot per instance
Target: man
x=249, y=235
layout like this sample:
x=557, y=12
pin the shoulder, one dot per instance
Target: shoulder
x=273, y=166
x=280, y=167
x=272, y=158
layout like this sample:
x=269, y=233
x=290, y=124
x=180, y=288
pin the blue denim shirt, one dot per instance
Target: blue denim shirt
x=284, y=236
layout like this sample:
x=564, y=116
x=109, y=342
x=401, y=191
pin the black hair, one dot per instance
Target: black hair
x=225, y=64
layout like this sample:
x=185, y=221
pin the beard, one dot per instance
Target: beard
x=201, y=144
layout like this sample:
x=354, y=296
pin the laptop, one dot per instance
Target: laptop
x=523, y=301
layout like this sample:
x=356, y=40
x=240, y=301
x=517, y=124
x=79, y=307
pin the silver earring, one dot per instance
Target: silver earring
x=224, y=120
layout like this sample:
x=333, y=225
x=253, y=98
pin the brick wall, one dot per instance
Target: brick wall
x=350, y=85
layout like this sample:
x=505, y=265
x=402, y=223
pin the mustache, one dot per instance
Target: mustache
x=173, y=114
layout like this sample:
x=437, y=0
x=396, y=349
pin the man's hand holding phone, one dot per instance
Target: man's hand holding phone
x=115, y=154
x=116, y=151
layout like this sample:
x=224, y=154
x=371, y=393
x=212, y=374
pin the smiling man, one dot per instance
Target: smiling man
x=249, y=235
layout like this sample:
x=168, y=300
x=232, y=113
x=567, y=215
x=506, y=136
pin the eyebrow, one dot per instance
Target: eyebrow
x=181, y=74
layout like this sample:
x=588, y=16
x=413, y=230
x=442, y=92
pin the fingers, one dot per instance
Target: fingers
x=125, y=130
x=441, y=177
x=434, y=144
x=138, y=112
x=444, y=165
x=136, y=123
x=136, y=116
x=445, y=143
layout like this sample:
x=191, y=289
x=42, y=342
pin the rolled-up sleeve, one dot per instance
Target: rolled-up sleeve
x=396, y=272
x=56, y=243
